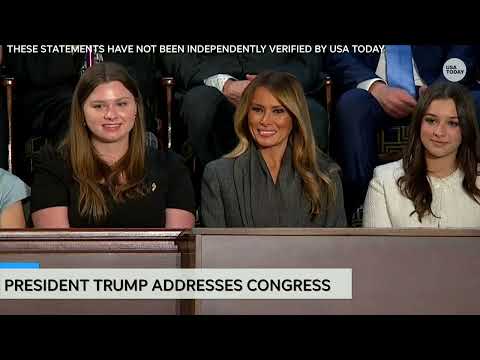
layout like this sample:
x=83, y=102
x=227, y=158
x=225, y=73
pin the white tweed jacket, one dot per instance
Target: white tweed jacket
x=385, y=206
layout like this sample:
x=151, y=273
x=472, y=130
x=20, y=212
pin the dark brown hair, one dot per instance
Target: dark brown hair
x=414, y=184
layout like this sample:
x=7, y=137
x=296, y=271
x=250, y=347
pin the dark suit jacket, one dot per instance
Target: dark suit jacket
x=349, y=69
x=191, y=70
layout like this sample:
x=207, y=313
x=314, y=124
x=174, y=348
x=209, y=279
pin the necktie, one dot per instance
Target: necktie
x=400, y=68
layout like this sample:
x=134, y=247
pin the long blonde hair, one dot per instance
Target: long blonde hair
x=318, y=185
x=126, y=178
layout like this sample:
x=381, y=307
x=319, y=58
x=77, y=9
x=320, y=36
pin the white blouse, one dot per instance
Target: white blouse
x=385, y=206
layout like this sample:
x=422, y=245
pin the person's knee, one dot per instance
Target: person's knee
x=353, y=106
x=199, y=106
x=201, y=101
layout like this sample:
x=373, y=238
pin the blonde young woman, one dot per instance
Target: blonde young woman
x=276, y=176
x=103, y=175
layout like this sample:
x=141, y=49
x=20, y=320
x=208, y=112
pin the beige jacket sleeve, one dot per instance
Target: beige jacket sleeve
x=375, y=213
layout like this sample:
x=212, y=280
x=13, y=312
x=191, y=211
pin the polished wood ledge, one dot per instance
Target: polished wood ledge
x=94, y=240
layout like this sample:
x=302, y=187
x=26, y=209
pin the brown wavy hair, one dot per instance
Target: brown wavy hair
x=318, y=185
x=414, y=183
x=123, y=180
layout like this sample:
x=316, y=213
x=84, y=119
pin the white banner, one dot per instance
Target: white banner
x=176, y=283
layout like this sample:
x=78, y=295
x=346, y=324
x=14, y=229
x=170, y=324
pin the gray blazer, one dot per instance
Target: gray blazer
x=240, y=193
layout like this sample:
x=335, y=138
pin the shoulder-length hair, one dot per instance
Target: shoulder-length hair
x=125, y=178
x=318, y=185
x=414, y=183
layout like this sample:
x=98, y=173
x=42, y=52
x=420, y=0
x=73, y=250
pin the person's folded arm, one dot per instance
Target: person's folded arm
x=50, y=191
x=12, y=216
x=179, y=219
x=180, y=208
x=51, y=217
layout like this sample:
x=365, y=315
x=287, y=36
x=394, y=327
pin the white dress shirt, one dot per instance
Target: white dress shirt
x=218, y=81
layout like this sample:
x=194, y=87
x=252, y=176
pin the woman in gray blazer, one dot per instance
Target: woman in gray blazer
x=276, y=176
